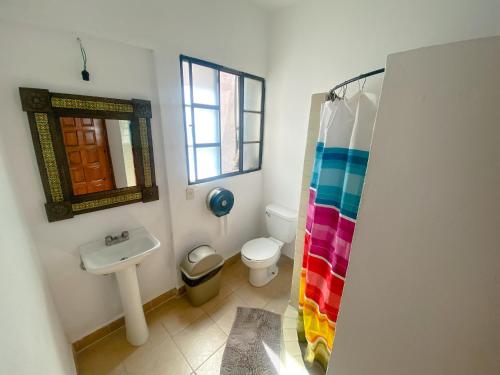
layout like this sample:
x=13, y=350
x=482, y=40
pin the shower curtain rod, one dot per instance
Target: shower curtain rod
x=361, y=76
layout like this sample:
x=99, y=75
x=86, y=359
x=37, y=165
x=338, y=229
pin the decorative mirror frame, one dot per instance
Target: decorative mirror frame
x=44, y=109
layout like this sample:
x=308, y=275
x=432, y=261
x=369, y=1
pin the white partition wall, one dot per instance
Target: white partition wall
x=32, y=339
x=422, y=294
x=317, y=101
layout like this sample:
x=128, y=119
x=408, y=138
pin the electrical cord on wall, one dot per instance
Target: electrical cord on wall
x=85, y=73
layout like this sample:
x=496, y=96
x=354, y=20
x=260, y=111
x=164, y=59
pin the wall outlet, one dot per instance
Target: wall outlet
x=189, y=193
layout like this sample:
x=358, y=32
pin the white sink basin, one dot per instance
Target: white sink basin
x=121, y=258
x=101, y=259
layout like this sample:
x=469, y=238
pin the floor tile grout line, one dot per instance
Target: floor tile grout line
x=182, y=353
x=215, y=322
x=211, y=355
x=175, y=343
x=146, y=313
x=180, y=350
x=180, y=332
x=216, y=306
x=190, y=323
x=124, y=368
x=240, y=284
x=158, y=344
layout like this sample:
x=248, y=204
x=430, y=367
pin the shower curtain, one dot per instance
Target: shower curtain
x=334, y=194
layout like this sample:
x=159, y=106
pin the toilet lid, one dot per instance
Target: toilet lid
x=260, y=249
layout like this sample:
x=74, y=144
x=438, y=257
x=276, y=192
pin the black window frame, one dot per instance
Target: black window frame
x=242, y=111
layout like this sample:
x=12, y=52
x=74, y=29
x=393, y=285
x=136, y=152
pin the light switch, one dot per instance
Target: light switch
x=189, y=193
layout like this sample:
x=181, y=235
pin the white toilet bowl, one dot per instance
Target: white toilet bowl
x=260, y=256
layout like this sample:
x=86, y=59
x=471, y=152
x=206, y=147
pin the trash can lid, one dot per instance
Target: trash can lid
x=200, y=260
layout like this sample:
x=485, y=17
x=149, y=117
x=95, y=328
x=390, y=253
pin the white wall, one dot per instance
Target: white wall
x=48, y=59
x=227, y=32
x=239, y=43
x=316, y=44
x=32, y=339
x=192, y=223
x=422, y=295
x=231, y=33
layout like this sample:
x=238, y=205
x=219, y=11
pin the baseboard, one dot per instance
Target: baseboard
x=286, y=259
x=181, y=291
x=75, y=357
x=109, y=328
x=232, y=260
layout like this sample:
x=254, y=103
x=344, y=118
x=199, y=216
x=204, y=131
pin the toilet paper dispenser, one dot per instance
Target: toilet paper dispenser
x=220, y=201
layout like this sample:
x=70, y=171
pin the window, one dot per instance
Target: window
x=223, y=120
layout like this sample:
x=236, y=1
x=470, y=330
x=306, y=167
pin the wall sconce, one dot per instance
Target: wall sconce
x=85, y=73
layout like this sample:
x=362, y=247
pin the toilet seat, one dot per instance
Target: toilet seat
x=261, y=256
x=261, y=249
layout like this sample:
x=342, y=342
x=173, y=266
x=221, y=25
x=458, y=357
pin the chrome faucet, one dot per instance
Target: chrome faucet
x=111, y=240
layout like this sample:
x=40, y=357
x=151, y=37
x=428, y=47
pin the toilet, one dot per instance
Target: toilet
x=261, y=255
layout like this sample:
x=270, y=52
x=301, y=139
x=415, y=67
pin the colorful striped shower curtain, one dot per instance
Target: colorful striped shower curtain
x=339, y=169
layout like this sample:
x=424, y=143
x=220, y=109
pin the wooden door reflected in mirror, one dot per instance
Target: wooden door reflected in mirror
x=99, y=153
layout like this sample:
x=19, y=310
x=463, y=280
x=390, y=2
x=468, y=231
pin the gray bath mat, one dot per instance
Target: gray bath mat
x=253, y=346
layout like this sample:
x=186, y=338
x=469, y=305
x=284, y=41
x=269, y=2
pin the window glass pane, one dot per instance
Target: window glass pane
x=252, y=94
x=206, y=125
x=251, y=128
x=229, y=118
x=251, y=156
x=192, y=177
x=204, y=85
x=189, y=125
x=208, y=162
x=216, y=143
x=185, y=80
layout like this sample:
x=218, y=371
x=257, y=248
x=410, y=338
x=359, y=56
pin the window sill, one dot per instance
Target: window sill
x=223, y=176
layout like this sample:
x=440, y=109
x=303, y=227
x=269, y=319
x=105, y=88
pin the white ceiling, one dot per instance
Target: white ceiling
x=274, y=4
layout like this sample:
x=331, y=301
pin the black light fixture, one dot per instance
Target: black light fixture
x=85, y=73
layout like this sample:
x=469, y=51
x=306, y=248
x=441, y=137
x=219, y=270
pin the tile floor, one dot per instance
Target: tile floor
x=185, y=339
x=291, y=350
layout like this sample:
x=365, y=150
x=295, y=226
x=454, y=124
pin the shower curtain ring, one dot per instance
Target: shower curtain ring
x=331, y=95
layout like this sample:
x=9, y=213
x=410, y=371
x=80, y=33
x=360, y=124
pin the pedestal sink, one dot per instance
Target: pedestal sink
x=122, y=258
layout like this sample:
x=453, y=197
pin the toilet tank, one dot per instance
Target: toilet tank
x=281, y=222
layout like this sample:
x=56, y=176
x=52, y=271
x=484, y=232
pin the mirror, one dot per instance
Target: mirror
x=93, y=153
x=99, y=154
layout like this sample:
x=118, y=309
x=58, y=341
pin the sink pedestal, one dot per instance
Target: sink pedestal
x=101, y=258
x=135, y=322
